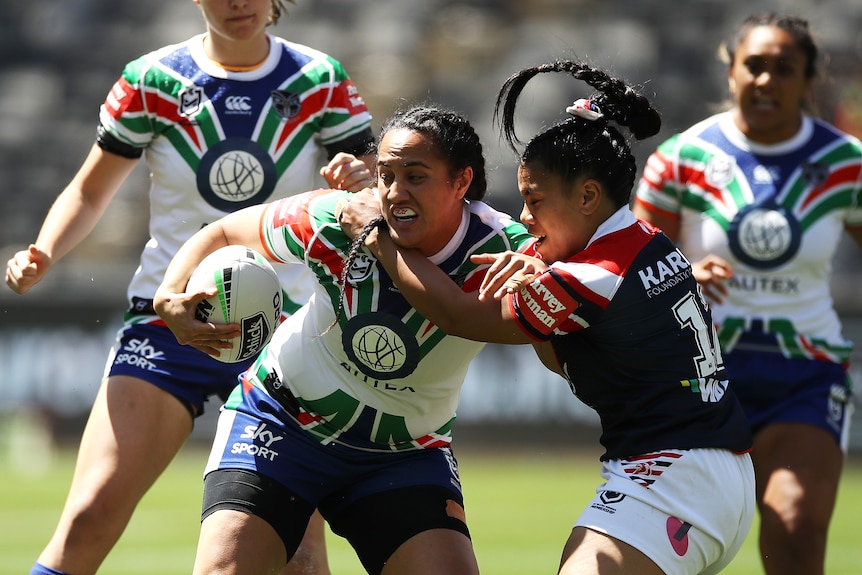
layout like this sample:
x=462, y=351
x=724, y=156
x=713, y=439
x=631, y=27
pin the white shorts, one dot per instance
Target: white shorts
x=689, y=511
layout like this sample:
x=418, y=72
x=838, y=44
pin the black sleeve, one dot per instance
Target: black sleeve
x=359, y=144
x=111, y=144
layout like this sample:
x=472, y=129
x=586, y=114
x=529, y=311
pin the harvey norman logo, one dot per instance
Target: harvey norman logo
x=665, y=273
x=542, y=303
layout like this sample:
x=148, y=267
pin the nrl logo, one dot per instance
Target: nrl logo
x=191, y=100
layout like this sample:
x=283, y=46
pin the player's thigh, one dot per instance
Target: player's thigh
x=314, y=539
x=392, y=524
x=797, y=467
x=433, y=552
x=660, y=504
x=589, y=552
x=134, y=430
x=237, y=542
x=310, y=556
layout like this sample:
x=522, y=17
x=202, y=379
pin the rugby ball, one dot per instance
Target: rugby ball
x=249, y=294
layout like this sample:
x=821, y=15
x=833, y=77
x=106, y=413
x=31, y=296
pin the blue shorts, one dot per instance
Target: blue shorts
x=258, y=435
x=776, y=389
x=149, y=351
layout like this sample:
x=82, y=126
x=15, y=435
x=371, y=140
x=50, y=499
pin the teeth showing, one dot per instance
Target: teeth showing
x=403, y=212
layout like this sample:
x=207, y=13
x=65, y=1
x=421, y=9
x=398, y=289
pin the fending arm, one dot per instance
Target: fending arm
x=441, y=300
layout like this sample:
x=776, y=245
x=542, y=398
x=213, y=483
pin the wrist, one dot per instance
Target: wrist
x=372, y=241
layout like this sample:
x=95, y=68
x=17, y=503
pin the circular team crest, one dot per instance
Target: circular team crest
x=380, y=345
x=764, y=236
x=234, y=174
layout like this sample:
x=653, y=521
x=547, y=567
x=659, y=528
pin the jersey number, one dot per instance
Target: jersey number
x=690, y=316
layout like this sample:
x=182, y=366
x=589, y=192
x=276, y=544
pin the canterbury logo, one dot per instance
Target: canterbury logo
x=237, y=103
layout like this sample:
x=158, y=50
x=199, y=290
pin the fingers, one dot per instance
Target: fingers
x=355, y=214
x=711, y=273
x=347, y=172
x=213, y=348
x=492, y=275
x=515, y=282
x=26, y=268
x=219, y=335
x=711, y=294
x=178, y=311
x=509, y=272
x=206, y=336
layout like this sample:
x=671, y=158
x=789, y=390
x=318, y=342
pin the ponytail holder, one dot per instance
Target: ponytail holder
x=585, y=109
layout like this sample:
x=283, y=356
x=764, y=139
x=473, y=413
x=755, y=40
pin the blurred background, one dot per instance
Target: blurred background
x=58, y=59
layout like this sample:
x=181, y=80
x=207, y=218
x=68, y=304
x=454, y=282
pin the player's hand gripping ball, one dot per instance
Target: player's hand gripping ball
x=249, y=294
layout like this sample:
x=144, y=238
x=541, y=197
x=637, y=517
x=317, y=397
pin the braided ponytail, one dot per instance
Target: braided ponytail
x=355, y=248
x=585, y=144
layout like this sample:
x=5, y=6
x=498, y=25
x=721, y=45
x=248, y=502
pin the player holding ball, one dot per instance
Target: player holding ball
x=227, y=119
x=349, y=409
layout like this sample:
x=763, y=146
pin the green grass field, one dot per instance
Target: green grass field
x=520, y=508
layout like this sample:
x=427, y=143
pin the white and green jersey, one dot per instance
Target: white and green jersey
x=383, y=377
x=776, y=213
x=216, y=141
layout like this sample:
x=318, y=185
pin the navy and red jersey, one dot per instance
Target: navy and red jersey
x=636, y=341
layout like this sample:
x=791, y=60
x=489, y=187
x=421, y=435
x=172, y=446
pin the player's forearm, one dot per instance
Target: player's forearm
x=81, y=205
x=425, y=286
x=441, y=300
x=69, y=221
x=239, y=228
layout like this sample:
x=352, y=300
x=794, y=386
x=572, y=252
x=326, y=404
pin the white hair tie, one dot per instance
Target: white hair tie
x=585, y=109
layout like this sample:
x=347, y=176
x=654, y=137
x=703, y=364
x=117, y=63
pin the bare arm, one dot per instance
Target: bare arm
x=509, y=273
x=427, y=287
x=72, y=217
x=456, y=312
x=669, y=225
x=441, y=300
x=177, y=308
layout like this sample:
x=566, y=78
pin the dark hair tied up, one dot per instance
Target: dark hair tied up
x=584, y=144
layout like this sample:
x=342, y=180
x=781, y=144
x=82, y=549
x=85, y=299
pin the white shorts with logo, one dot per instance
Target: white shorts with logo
x=687, y=510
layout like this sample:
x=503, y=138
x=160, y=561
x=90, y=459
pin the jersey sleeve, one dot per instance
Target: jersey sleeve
x=658, y=189
x=558, y=303
x=123, y=116
x=290, y=225
x=346, y=117
x=853, y=216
